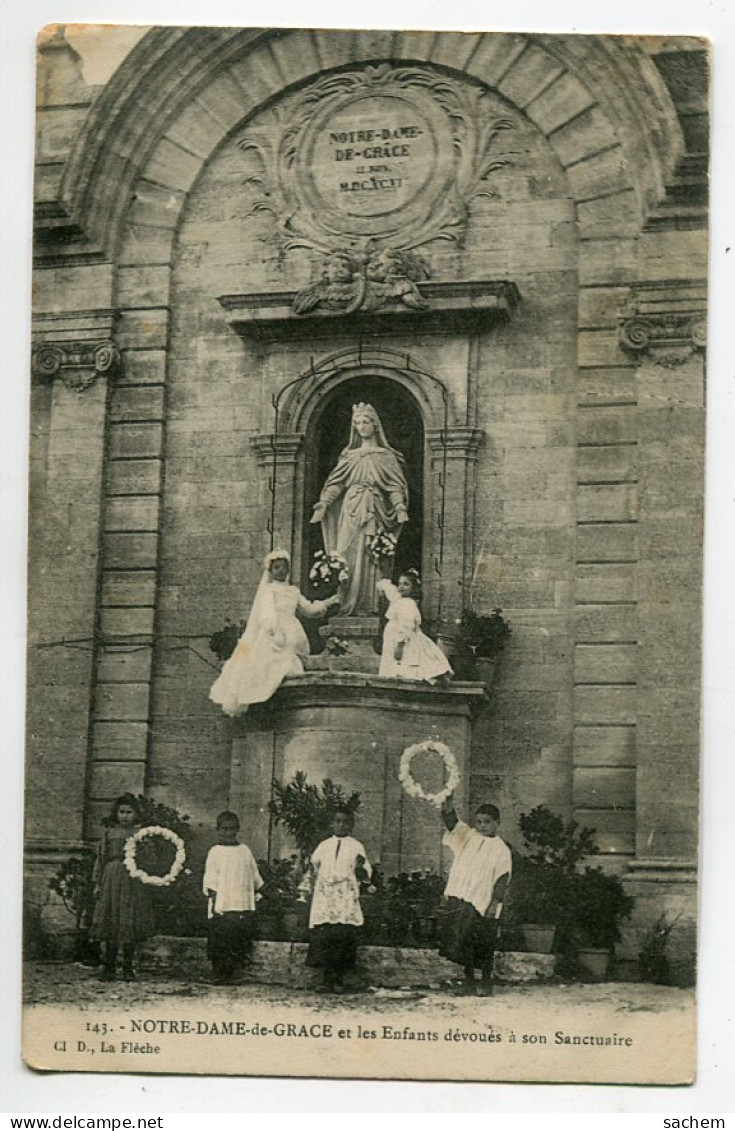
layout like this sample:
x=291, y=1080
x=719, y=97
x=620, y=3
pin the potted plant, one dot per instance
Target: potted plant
x=579, y=906
x=535, y=904
x=481, y=639
x=73, y=884
x=599, y=904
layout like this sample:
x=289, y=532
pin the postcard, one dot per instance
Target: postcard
x=367, y=456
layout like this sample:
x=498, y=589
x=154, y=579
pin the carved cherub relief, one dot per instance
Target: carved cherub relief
x=350, y=282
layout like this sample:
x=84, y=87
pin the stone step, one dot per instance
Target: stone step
x=284, y=963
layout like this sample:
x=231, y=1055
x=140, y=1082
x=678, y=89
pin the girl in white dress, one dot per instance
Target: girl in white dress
x=273, y=642
x=339, y=864
x=407, y=652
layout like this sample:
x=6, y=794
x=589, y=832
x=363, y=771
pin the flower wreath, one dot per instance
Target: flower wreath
x=145, y=877
x=412, y=787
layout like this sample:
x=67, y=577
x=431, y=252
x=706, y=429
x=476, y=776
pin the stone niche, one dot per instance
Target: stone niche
x=353, y=729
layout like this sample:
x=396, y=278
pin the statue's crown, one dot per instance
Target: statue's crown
x=363, y=407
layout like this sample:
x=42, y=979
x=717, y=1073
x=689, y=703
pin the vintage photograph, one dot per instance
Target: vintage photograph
x=365, y=554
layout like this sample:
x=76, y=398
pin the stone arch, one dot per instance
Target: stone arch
x=180, y=93
x=301, y=400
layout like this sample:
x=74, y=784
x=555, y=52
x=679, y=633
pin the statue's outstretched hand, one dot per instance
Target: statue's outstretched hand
x=319, y=512
x=402, y=515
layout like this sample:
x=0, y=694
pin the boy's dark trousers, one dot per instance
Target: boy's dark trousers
x=469, y=939
x=230, y=942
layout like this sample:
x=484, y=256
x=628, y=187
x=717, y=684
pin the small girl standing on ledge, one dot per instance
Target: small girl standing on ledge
x=123, y=913
x=407, y=652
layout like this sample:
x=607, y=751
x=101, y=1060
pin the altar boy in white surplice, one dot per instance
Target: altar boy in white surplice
x=339, y=864
x=478, y=880
x=231, y=884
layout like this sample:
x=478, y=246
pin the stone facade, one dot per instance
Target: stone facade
x=556, y=368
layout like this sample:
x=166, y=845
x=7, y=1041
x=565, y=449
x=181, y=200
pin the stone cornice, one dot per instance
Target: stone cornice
x=665, y=321
x=461, y=442
x=457, y=307
x=282, y=448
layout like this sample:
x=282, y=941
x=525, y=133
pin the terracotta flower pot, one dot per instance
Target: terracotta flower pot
x=539, y=937
x=594, y=962
x=486, y=669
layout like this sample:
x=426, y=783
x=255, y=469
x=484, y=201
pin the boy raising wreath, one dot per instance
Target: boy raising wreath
x=478, y=880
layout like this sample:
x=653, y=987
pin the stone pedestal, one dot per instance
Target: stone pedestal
x=353, y=728
x=361, y=636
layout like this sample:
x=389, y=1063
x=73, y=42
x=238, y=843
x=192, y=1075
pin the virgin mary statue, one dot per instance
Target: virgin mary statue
x=366, y=494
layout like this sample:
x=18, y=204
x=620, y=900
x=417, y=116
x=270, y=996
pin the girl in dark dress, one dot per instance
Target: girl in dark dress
x=123, y=913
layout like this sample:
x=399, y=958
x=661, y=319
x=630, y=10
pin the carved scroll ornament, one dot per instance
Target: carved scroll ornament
x=77, y=364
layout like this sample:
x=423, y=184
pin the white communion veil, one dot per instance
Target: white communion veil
x=261, y=610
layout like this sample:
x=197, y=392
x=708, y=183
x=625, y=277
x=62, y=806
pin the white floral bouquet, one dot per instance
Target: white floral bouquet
x=382, y=545
x=328, y=569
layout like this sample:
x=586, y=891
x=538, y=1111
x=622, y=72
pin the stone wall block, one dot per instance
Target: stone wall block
x=172, y=167
x=600, y=174
x=614, y=462
x=137, y=402
x=600, y=348
x=495, y=55
x=155, y=205
x=120, y=741
x=599, y=308
x=454, y=49
x=143, y=286
x=256, y=76
x=604, y=704
x=614, y=828
x=604, y=745
x=604, y=787
x=607, y=583
x=584, y=135
x=133, y=513
x=615, y=542
x=606, y=216
x=137, y=588
x=134, y=477
x=225, y=100
x=600, y=663
x=144, y=328
x=563, y=100
x=599, y=623
x=609, y=425
x=607, y=386
x=141, y=246
x=111, y=779
x=124, y=665
x=131, y=551
x=61, y=289
x=608, y=261
x=614, y=502
x=136, y=441
x=127, y=621
x=121, y=702
x=295, y=55
x=144, y=366
x=530, y=74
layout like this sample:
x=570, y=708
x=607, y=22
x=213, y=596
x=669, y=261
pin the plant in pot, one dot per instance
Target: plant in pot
x=481, y=639
x=585, y=905
x=278, y=914
x=542, y=891
x=74, y=886
x=600, y=903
